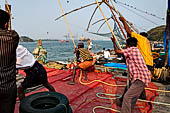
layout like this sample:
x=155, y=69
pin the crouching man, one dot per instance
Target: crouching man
x=87, y=60
x=35, y=72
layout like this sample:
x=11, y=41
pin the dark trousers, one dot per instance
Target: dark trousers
x=8, y=100
x=142, y=96
x=131, y=96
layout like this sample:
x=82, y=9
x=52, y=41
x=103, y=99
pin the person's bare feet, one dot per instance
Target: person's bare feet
x=86, y=79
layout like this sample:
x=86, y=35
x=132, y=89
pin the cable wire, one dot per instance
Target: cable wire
x=151, y=14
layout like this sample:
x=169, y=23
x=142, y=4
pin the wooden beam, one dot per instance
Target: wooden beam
x=8, y=9
x=167, y=34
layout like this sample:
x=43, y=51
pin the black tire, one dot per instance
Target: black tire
x=45, y=102
x=69, y=110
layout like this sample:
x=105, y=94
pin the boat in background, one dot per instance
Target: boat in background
x=84, y=38
x=64, y=41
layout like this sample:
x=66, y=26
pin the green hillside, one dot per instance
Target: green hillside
x=25, y=39
x=156, y=34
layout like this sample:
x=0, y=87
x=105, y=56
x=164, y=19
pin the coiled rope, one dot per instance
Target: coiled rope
x=116, y=96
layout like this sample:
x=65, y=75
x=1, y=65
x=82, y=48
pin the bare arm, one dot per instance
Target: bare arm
x=94, y=57
x=115, y=47
x=128, y=30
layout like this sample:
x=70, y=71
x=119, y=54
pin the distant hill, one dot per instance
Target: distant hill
x=25, y=39
x=156, y=34
x=49, y=39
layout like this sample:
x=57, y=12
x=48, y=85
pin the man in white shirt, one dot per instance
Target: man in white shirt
x=35, y=72
x=106, y=55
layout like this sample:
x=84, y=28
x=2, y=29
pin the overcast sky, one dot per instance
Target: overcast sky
x=34, y=18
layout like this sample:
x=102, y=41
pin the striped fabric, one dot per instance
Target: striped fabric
x=136, y=65
x=85, y=55
x=8, y=43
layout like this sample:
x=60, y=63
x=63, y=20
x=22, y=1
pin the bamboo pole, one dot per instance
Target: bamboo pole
x=75, y=10
x=108, y=24
x=167, y=34
x=67, y=24
x=129, y=23
x=8, y=9
x=117, y=20
x=92, y=17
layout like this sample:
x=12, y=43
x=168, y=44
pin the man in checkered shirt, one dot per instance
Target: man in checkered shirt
x=138, y=73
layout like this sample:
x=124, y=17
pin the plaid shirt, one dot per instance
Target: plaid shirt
x=136, y=65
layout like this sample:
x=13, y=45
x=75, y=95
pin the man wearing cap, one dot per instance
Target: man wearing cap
x=9, y=40
x=86, y=61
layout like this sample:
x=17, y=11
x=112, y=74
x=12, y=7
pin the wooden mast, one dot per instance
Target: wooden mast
x=8, y=9
x=167, y=34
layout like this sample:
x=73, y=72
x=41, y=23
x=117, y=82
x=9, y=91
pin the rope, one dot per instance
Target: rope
x=139, y=15
x=87, y=83
x=108, y=23
x=158, y=90
x=140, y=10
x=131, y=25
x=105, y=108
x=67, y=24
x=116, y=96
x=118, y=23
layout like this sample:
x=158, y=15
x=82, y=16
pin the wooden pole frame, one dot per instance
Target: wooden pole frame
x=167, y=35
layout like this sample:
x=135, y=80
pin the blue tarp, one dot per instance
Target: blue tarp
x=116, y=65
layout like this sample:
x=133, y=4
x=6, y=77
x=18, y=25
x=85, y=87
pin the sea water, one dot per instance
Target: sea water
x=63, y=51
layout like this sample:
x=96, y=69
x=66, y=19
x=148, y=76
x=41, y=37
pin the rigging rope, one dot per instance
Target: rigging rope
x=108, y=23
x=139, y=15
x=118, y=23
x=140, y=10
x=67, y=24
x=129, y=23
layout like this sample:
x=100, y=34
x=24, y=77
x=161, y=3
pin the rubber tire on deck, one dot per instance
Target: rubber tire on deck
x=59, y=102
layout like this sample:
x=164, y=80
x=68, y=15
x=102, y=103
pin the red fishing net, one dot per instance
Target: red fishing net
x=83, y=98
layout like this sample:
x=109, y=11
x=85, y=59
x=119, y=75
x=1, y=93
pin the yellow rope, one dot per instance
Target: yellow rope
x=108, y=23
x=158, y=90
x=87, y=83
x=67, y=24
x=160, y=103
